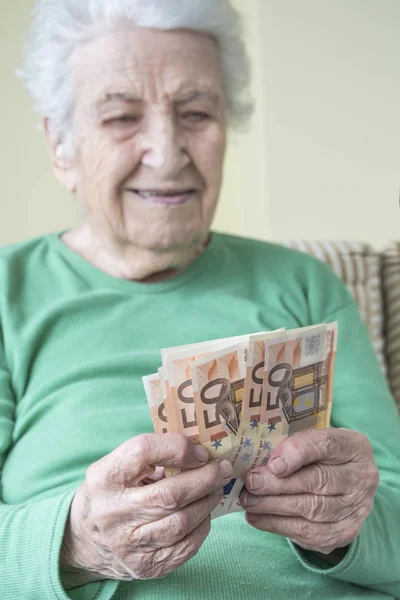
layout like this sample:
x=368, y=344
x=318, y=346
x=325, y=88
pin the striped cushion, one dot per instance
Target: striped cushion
x=358, y=265
x=391, y=289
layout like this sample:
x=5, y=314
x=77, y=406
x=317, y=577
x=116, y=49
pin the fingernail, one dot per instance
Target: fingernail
x=250, y=500
x=278, y=465
x=256, y=481
x=200, y=453
x=225, y=468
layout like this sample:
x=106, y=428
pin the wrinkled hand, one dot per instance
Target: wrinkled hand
x=317, y=489
x=129, y=522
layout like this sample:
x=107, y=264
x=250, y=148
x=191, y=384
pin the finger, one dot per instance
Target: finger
x=320, y=509
x=136, y=459
x=173, y=528
x=170, y=495
x=329, y=446
x=322, y=537
x=169, y=559
x=159, y=473
x=318, y=479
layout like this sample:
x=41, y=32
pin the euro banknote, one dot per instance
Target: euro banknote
x=240, y=397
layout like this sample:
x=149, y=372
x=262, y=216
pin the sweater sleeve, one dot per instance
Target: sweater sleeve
x=31, y=533
x=362, y=401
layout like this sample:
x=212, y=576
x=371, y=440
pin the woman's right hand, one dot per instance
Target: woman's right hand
x=129, y=522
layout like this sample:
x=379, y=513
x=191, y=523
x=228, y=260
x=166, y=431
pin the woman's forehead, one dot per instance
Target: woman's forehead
x=130, y=64
x=183, y=95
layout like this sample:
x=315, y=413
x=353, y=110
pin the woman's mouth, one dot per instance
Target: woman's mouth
x=166, y=197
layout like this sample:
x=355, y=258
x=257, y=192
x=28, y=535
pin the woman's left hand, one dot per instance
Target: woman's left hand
x=317, y=489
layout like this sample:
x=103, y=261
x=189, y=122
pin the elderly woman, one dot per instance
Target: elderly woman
x=137, y=97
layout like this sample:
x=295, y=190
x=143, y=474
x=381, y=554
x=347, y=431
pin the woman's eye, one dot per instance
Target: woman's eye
x=124, y=120
x=196, y=116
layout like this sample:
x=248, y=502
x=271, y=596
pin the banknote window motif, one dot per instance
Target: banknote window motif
x=306, y=394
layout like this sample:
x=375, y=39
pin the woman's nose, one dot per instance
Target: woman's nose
x=164, y=147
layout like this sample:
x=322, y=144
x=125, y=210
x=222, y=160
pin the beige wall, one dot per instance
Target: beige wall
x=332, y=104
x=244, y=207
x=321, y=158
x=32, y=202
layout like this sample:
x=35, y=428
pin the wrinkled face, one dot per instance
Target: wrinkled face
x=150, y=125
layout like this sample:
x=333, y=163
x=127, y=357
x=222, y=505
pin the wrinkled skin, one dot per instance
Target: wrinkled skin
x=322, y=492
x=150, y=113
x=127, y=521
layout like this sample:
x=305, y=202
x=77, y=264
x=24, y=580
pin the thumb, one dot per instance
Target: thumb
x=137, y=459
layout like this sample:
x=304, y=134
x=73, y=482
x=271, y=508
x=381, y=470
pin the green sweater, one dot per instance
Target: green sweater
x=75, y=343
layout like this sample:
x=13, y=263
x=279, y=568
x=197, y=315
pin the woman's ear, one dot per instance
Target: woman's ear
x=64, y=167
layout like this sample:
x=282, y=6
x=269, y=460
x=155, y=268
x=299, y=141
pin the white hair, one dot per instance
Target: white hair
x=59, y=26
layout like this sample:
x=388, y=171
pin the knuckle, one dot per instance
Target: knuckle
x=333, y=541
x=94, y=476
x=295, y=446
x=320, y=537
x=315, y=508
x=185, y=443
x=362, y=439
x=364, y=510
x=190, y=546
x=328, y=442
x=344, y=508
x=363, y=446
x=192, y=550
x=353, y=532
x=293, y=443
x=306, y=531
x=166, y=560
x=362, y=483
x=351, y=480
x=141, y=447
x=183, y=447
x=329, y=538
x=347, y=502
x=141, y=537
x=115, y=471
x=166, y=496
x=320, y=444
x=349, y=534
x=178, y=526
x=179, y=442
x=323, y=479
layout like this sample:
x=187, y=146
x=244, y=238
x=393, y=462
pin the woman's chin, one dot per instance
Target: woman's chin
x=168, y=239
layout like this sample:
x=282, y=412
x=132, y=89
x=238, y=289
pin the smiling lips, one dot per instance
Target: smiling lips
x=168, y=197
